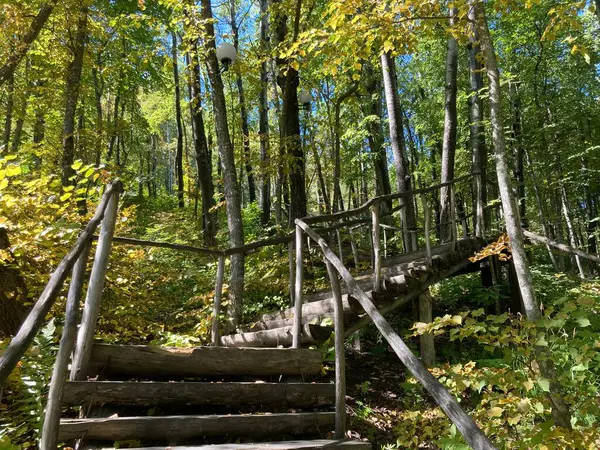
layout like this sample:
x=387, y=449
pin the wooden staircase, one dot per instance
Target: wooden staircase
x=402, y=276
x=154, y=397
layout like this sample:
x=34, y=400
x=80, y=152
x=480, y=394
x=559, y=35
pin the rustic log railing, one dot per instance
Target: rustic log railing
x=464, y=423
x=368, y=215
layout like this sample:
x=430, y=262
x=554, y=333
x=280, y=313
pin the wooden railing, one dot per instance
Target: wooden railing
x=464, y=423
x=75, y=263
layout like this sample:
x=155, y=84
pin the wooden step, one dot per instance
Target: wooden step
x=189, y=393
x=146, y=361
x=178, y=429
x=311, y=334
x=317, y=444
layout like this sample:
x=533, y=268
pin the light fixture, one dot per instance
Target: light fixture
x=226, y=54
x=304, y=98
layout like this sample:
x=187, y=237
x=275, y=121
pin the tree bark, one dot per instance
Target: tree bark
x=450, y=123
x=8, y=69
x=232, y=196
x=263, y=124
x=179, y=153
x=72, y=88
x=403, y=178
x=517, y=135
x=98, y=93
x=560, y=409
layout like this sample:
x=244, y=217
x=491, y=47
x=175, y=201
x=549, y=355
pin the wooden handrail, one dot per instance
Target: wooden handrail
x=464, y=423
x=30, y=327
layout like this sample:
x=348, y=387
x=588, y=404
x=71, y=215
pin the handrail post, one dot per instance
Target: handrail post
x=292, y=275
x=354, y=248
x=340, y=358
x=453, y=216
x=339, y=241
x=297, y=329
x=91, y=309
x=405, y=233
x=216, y=330
x=427, y=214
x=49, y=438
x=376, y=236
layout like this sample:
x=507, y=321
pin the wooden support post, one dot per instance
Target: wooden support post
x=453, y=216
x=384, y=243
x=427, y=214
x=292, y=274
x=340, y=358
x=405, y=232
x=377, y=262
x=354, y=248
x=91, y=309
x=298, y=291
x=49, y=439
x=339, y=241
x=216, y=331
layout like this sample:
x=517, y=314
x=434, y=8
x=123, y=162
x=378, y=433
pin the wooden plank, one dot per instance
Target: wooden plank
x=174, y=429
x=199, y=361
x=22, y=340
x=317, y=444
x=190, y=393
x=310, y=334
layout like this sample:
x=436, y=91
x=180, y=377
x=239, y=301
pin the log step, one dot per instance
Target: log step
x=190, y=393
x=311, y=334
x=317, y=444
x=177, y=429
x=147, y=361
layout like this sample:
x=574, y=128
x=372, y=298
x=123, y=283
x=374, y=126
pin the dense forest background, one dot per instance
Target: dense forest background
x=327, y=104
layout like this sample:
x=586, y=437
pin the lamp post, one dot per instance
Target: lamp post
x=226, y=54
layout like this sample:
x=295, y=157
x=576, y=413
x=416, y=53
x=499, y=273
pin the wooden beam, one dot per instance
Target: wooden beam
x=182, y=428
x=22, y=340
x=316, y=444
x=274, y=337
x=561, y=247
x=190, y=393
x=150, y=361
x=465, y=424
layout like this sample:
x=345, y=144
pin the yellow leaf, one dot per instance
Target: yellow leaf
x=496, y=411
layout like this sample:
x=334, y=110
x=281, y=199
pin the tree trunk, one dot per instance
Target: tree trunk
x=179, y=154
x=13, y=293
x=288, y=80
x=8, y=69
x=427, y=345
x=517, y=135
x=10, y=101
x=232, y=197
x=571, y=229
x=560, y=409
x=98, y=93
x=72, y=94
x=449, y=142
x=476, y=131
x=403, y=178
x=203, y=160
x=263, y=124
x=243, y=112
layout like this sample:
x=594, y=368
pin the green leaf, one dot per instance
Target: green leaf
x=65, y=196
x=544, y=384
x=583, y=322
x=76, y=165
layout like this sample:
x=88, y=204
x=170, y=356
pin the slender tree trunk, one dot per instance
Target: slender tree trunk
x=560, y=409
x=263, y=124
x=243, y=112
x=203, y=160
x=8, y=69
x=450, y=123
x=403, y=178
x=98, y=93
x=517, y=141
x=10, y=102
x=571, y=229
x=72, y=94
x=179, y=154
x=232, y=197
